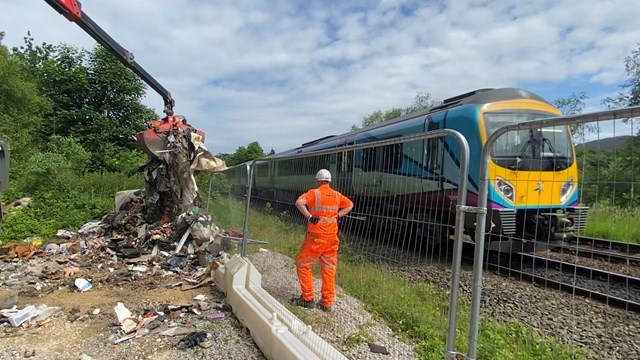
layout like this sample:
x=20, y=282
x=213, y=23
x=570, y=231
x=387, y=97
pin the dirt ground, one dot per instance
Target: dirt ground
x=77, y=330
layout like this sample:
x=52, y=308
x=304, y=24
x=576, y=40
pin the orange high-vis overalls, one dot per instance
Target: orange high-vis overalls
x=321, y=243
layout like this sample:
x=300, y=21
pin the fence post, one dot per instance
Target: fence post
x=457, y=247
x=245, y=228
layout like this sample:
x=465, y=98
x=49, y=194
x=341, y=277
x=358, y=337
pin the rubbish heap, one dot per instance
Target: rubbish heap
x=162, y=229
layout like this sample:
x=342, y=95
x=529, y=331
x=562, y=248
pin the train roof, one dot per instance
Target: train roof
x=479, y=96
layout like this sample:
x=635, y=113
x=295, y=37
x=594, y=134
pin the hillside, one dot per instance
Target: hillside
x=612, y=143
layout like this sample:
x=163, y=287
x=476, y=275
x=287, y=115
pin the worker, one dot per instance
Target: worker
x=322, y=207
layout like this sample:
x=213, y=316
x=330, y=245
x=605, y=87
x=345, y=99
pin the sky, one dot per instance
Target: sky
x=287, y=72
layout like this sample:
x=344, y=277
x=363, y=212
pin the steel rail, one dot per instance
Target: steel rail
x=571, y=268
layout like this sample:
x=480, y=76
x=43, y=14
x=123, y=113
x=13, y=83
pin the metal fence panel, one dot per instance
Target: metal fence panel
x=562, y=218
x=410, y=200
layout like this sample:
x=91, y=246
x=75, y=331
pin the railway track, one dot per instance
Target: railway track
x=612, y=288
x=600, y=283
x=614, y=251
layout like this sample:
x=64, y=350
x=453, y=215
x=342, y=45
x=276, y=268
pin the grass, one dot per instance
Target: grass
x=362, y=336
x=612, y=222
x=417, y=312
x=79, y=199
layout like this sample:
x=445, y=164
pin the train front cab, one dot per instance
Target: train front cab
x=533, y=178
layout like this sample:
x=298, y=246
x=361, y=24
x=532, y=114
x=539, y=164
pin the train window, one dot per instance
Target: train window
x=369, y=159
x=345, y=161
x=391, y=157
x=433, y=154
x=262, y=170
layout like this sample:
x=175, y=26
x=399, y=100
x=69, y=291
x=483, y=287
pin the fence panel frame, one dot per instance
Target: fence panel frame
x=483, y=187
x=461, y=209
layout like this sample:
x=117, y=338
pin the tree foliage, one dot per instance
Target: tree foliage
x=22, y=106
x=70, y=115
x=94, y=98
x=611, y=176
x=422, y=101
x=630, y=94
x=243, y=154
x=572, y=105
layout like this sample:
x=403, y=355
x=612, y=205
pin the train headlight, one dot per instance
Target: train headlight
x=566, y=189
x=506, y=189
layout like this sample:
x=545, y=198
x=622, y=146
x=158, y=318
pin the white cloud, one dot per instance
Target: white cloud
x=284, y=73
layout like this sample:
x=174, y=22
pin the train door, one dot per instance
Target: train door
x=367, y=177
x=344, y=167
x=433, y=158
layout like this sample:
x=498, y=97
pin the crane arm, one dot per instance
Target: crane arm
x=71, y=9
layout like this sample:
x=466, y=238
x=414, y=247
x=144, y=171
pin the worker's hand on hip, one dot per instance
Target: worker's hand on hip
x=314, y=219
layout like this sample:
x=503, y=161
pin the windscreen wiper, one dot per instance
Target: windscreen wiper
x=530, y=144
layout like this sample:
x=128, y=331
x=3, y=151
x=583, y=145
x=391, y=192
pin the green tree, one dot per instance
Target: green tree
x=571, y=105
x=244, y=154
x=96, y=100
x=21, y=106
x=422, y=101
x=378, y=116
x=630, y=94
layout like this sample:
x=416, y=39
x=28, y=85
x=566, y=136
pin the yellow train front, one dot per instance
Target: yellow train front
x=533, y=174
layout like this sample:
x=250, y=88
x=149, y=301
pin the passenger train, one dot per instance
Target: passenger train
x=533, y=174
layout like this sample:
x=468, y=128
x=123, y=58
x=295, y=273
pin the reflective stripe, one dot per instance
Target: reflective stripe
x=319, y=206
x=312, y=259
x=304, y=265
x=327, y=266
x=325, y=208
x=318, y=198
x=328, y=220
x=328, y=259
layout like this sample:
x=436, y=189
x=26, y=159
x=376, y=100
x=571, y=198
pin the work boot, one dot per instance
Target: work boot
x=299, y=301
x=325, y=308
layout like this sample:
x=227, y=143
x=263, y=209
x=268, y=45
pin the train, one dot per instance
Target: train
x=533, y=175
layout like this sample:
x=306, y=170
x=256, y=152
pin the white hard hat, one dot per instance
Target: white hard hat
x=323, y=175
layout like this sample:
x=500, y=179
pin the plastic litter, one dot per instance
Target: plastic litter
x=66, y=234
x=122, y=312
x=51, y=248
x=217, y=315
x=192, y=340
x=138, y=268
x=83, y=284
x=178, y=330
x=44, y=312
x=19, y=317
x=176, y=262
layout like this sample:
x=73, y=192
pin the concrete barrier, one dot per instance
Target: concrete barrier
x=279, y=334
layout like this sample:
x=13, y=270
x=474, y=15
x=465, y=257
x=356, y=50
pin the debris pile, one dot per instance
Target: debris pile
x=159, y=231
x=170, y=320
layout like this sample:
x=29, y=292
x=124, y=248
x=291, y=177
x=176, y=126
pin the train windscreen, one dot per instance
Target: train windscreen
x=546, y=149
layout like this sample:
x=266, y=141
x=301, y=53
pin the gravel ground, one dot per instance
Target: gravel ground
x=601, y=284
x=609, y=332
x=632, y=269
x=75, y=331
x=348, y=325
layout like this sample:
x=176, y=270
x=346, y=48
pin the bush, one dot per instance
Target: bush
x=87, y=196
